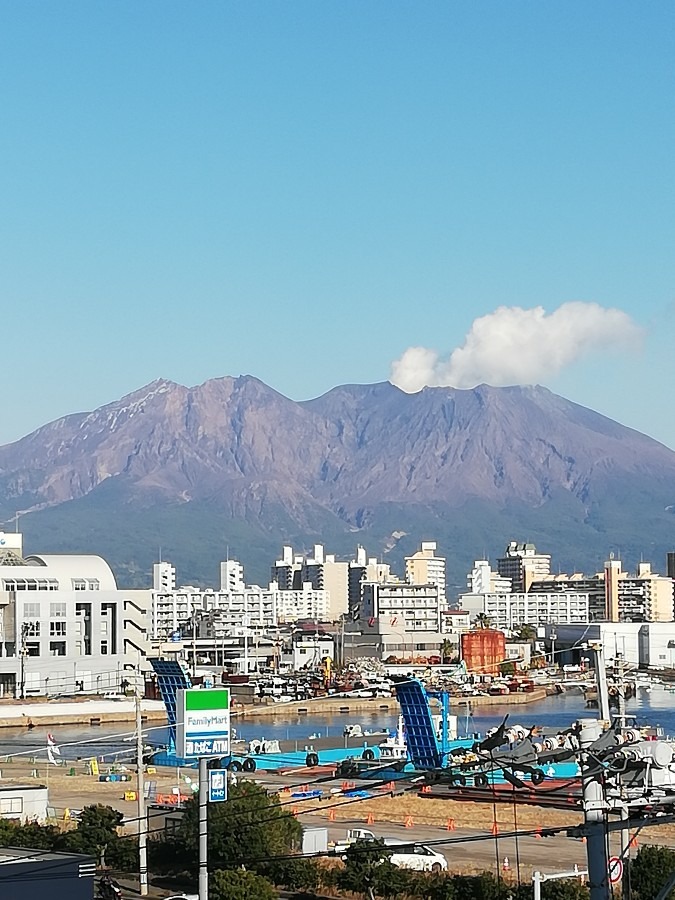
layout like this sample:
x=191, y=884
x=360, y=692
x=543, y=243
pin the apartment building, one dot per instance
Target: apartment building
x=425, y=567
x=522, y=565
x=510, y=610
x=321, y=571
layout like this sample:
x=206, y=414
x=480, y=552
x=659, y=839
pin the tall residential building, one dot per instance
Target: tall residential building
x=424, y=567
x=483, y=580
x=231, y=576
x=522, y=565
x=612, y=576
x=362, y=569
x=163, y=577
x=321, y=570
x=409, y=607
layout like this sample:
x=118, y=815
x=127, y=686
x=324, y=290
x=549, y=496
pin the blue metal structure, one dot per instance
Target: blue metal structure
x=424, y=749
x=171, y=675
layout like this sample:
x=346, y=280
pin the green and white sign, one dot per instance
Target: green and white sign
x=202, y=722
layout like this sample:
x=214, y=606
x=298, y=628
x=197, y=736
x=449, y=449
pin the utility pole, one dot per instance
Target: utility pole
x=594, y=812
x=23, y=654
x=140, y=794
x=203, y=829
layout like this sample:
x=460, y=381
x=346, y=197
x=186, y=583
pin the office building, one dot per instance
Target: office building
x=64, y=624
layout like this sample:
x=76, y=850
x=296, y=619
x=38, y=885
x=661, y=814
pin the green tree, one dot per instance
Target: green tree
x=237, y=884
x=363, y=864
x=507, y=667
x=482, y=620
x=96, y=832
x=448, y=651
x=650, y=870
x=526, y=633
x=295, y=874
x=248, y=829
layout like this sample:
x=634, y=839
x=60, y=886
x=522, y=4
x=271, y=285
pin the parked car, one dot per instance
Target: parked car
x=421, y=858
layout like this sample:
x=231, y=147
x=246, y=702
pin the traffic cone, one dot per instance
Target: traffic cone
x=537, y=833
x=409, y=822
x=331, y=815
x=506, y=866
x=633, y=842
x=495, y=828
x=426, y=788
x=295, y=811
x=450, y=825
x=370, y=819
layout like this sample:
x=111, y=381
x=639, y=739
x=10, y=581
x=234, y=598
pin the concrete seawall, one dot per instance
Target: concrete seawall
x=336, y=705
x=18, y=713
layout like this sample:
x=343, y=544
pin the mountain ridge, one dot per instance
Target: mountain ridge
x=360, y=463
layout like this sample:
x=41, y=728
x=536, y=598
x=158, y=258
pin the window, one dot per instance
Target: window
x=32, y=629
x=57, y=629
x=79, y=584
x=11, y=806
x=57, y=648
x=31, y=610
x=104, y=648
x=104, y=627
x=57, y=610
x=33, y=649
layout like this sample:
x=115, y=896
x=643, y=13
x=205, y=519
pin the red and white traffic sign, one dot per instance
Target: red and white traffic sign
x=615, y=869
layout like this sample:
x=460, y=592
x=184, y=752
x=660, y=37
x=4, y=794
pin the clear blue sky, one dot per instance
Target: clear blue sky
x=302, y=190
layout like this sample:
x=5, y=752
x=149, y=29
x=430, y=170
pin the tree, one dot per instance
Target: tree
x=96, y=832
x=650, y=870
x=448, y=651
x=482, y=621
x=526, y=633
x=295, y=874
x=248, y=829
x=507, y=667
x=237, y=884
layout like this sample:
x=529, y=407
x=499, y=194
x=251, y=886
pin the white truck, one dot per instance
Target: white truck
x=352, y=836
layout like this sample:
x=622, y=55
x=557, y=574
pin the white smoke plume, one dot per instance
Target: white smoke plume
x=513, y=345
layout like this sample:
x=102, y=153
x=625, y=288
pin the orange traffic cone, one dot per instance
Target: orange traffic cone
x=295, y=811
x=495, y=828
x=537, y=833
x=409, y=822
x=450, y=825
x=633, y=841
x=426, y=788
x=370, y=819
x=331, y=815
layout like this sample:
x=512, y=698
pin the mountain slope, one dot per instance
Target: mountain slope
x=232, y=463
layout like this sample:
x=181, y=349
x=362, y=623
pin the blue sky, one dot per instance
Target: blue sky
x=303, y=190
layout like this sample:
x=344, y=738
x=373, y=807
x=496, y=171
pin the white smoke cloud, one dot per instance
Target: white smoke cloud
x=513, y=345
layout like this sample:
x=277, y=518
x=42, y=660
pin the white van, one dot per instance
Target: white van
x=421, y=858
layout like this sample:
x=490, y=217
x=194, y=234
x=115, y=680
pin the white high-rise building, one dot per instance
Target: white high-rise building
x=424, y=567
x=482, y=580
x=163, y=577
x=231, y=576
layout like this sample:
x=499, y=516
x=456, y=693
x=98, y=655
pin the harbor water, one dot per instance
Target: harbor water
x=651, y=706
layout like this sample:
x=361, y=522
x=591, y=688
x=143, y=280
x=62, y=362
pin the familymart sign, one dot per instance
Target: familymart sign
x=203, y=722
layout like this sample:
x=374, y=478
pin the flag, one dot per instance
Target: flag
x=53, y=751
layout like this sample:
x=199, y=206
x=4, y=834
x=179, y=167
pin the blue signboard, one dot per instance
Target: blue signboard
x=217, y=785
